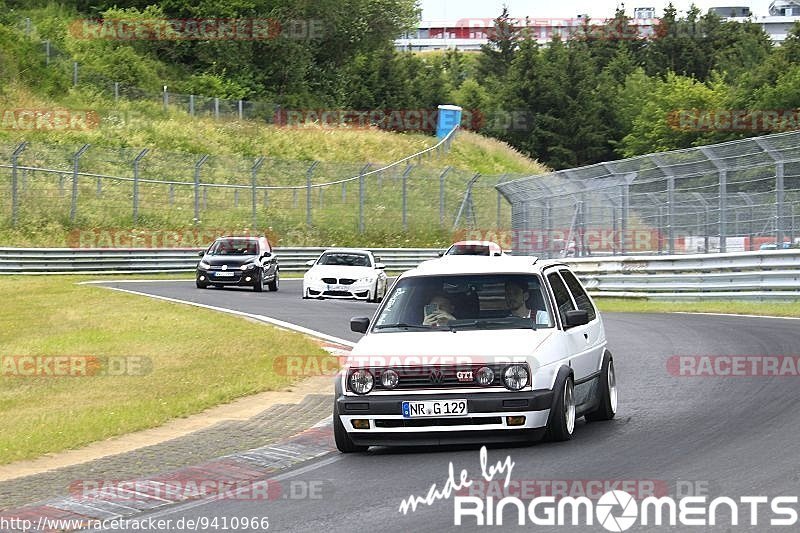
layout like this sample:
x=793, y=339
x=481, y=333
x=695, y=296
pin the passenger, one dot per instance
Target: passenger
x=517, y=295
x=439, y=311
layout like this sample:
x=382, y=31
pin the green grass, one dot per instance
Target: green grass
x=199, y=358
x=617, y=305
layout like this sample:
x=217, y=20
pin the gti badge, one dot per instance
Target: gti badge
x=464, y=377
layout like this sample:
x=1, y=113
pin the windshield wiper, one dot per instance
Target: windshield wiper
x=403, y=326
x=510, y=321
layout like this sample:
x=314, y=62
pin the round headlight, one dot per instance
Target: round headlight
x=390, y=379
x=361, y=381
x=515, y=377
x=484, y=376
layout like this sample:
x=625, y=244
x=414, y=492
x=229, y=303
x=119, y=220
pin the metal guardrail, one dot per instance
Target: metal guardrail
x=770, y=275
x=748, y=275
x=159, y=261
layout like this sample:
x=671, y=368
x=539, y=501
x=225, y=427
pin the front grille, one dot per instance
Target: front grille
x=346, y=281
x=428, y=422
x=329, y=281
x=441, y=377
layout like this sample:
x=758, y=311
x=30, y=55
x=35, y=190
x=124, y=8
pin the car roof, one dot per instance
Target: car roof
x=347, y=251
x=479, y=264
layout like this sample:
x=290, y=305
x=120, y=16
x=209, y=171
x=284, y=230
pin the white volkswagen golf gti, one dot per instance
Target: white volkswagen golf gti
x=476, y=349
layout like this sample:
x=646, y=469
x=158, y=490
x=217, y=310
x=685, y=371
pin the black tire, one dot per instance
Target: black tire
x=275, y=283
x=562, y=414
x=258, y=285
x=343, y=442
x=201, y=285
x=374, y=294
x=607, y=408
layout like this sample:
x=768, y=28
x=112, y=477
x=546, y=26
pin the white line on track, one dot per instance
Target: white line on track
x=737, y=316
x=261, y=318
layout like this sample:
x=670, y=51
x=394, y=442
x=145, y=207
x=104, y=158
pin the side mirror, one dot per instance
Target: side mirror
x=440, y=253
x=359, y=325
x=266, y=255
x=311, y=263
x=201, y=253
x=579, y=317
x=380, y=266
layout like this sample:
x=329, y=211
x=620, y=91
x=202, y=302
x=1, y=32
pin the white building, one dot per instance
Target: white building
x=470, y=33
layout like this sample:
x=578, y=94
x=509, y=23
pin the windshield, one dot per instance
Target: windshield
x=478, y=301
x=468, y=249
x=344, y=259
x=234, y=247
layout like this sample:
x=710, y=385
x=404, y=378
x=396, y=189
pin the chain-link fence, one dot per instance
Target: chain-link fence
x=735, y=196
x=93, y=187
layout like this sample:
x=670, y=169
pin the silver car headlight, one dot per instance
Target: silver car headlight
x=361, y=381
x=248, y=266
x=516, y=377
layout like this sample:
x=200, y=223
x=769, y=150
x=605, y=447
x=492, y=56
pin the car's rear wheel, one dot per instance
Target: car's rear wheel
x=608, y=393
x=273, y=285
x=340, y=436
x=562, y=415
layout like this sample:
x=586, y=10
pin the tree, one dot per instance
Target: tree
x=496, y=57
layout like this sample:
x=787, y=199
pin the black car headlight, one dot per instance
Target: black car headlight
x=516, y=377
x=361, y=381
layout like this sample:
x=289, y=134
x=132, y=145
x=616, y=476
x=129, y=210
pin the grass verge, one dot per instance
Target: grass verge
x=199, y=359
x=619, y=305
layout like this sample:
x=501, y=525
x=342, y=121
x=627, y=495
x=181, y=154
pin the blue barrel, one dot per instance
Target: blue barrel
x=449, y=118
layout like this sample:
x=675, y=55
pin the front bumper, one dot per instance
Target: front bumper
x=487, y=420
x=239, y=278
x=356, y=291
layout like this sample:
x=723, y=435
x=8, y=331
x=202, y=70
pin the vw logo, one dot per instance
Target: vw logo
x=224, y=267
x=437, y=376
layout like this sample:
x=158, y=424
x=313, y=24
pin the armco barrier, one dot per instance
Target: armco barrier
x=747, y=275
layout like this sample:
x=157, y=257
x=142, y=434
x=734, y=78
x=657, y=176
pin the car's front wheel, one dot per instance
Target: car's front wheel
x=608, y=392
x=340, y=436
x=201, y=285
x=273, y=285
x=562, y=413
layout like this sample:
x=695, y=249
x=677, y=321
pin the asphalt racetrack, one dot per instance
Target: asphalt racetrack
x=713, y=436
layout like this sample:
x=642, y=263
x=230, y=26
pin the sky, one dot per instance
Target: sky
x=456, y=9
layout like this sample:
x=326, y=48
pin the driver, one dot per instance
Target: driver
x=439, y=311
x=517, y=295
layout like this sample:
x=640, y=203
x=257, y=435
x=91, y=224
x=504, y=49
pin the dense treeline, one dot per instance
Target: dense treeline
x=603, y=94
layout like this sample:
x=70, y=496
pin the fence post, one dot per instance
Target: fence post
x=241, y=114
x=197, y=166
x=216, y=108
x=73, y=210
x=442, y=195
x=47, y=52
x=191, y=105
x=116, y=91
x=166, y=98
x=253, y=176
x=99, y=191
x=171, y=193
x=779, y=203
x=14, y=195
x=74, y=73
x=309, y=174
x=361, y=175
x=406, y=173
x=671, y=214
x=27, y=27
x=499, y=198
x=136, y=161
x=723, y=207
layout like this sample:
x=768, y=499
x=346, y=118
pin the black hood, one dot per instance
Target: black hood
x=230, y=260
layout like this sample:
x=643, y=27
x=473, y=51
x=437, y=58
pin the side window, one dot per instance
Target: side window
x=581, y=298
x=561, y=295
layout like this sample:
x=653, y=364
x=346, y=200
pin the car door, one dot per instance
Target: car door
x=594, y=329
x=579, y=349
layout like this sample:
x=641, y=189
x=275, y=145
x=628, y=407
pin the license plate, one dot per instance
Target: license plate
x=224, y=274
x=435, y=408
x=337, y=288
